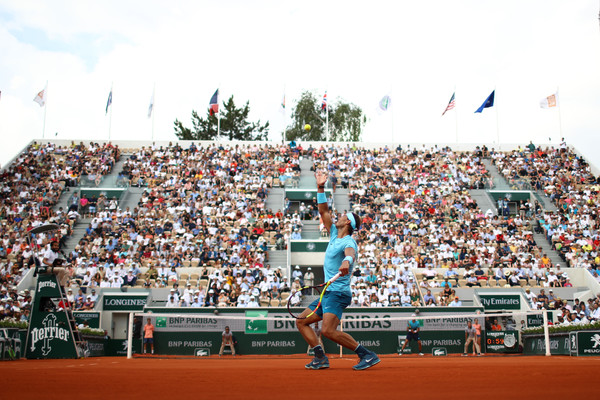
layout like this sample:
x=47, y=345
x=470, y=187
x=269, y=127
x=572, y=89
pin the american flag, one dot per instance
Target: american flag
x=450, y=104
x=324, y=105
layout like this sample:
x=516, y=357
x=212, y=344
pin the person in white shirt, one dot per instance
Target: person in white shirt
x=105, y=282
x=253, y=303
x=455, y=303
x=532, y=298
x=70, y=296
x=405, y=299
x=54, y=264
x=116, y=282
x=196, y=303
x=172, y=302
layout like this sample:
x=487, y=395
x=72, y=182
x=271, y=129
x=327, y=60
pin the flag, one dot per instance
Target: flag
x=489, y=102
x=549, y=101
x=450, y=105
x=109, y=102
x=324, y=104
x=151, y=106
x=214, y=103
x=283, y=102
x=384, y=103
x=41, y=98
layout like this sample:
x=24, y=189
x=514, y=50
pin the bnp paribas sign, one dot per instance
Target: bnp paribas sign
x=124, y=302
x=500, y=301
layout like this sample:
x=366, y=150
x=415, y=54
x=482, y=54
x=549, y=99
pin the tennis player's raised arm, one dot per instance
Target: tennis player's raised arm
x=321, y=178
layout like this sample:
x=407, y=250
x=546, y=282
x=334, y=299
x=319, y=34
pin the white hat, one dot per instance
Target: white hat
x=297, y=267
x=309, y=268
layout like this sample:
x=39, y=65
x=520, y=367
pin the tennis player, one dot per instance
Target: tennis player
x=340, y=257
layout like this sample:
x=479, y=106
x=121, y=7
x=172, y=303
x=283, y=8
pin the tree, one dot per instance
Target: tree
x=234, y=125
x=345, y=120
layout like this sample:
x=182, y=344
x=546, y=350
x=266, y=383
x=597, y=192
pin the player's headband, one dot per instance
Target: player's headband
x=352, y=220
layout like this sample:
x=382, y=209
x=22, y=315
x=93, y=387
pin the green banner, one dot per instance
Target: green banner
x=500, y=301
x=124, y=302
x=118, y=347
x=535, y=320
x=96, y=345
x=49, y=334
x=535, y=344
x=501, y=342
x=305, y=246
x=92, y=318
x=254, y=325
x=512, y=195
x=201, y=335
x=303, y=195
x=585, y=343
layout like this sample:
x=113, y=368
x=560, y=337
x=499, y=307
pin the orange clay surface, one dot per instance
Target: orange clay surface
x=284, y=377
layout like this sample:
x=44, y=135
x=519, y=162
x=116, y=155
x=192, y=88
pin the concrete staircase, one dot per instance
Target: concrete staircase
x=78, y=233
x=131, y=198
x=341, y=200
x=307, y=177
x=500, y=183
x=544, y=245
x=545, y=201
x=483, y=200
x=310, y=230
x=278, y=258
x=275, y=199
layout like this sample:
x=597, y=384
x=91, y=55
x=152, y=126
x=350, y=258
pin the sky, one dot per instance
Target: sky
x=417, y=52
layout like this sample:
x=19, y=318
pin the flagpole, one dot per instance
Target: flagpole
x=111, y=108
x=559, y=116
x=393, y=109
x=45, y=110
x=153, y=108
x=455, y=114
x=497, y=120
x=327, y=120
x=284, y=119
x=218, y=111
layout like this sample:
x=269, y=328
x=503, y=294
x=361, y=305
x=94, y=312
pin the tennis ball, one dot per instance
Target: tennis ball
x=307, y=127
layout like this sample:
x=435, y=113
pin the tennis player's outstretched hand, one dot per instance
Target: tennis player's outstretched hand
x=321, y=177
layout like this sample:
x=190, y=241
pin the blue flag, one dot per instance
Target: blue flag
x=109, y=102
x=489, y=102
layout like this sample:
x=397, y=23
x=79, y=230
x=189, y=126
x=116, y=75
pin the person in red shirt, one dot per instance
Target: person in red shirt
x=149, y=335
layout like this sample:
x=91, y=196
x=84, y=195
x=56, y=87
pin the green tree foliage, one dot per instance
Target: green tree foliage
x=234, y=125
x=346, y=120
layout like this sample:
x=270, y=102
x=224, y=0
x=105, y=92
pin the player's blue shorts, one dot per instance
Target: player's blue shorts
x=333, y=302
x=148, y=340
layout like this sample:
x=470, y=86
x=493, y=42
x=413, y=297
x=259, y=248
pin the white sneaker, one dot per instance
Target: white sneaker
x=421, y=354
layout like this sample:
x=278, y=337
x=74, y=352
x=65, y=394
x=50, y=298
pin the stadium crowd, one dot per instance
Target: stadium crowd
x=204, y=207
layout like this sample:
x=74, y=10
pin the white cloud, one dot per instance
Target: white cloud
x=420, y=51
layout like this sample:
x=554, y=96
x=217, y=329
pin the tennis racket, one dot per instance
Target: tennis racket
x=305, y=289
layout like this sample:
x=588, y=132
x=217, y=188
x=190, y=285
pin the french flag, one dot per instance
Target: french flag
x=324, y=105
x=214, y=103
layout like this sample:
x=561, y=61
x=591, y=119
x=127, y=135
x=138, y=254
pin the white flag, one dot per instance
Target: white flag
x=41, y=98
x=549, y=101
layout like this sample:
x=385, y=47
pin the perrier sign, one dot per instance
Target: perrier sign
x=49, y=334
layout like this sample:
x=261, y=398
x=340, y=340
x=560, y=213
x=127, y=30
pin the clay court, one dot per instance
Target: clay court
x=277, y=377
